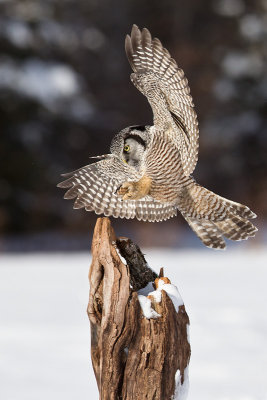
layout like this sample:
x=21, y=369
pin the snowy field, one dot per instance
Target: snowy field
x=45, y=338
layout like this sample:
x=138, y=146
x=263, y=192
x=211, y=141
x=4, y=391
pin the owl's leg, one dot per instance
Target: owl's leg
x=135, y=190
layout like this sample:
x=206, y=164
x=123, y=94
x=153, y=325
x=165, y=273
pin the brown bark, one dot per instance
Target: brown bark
x=133, y=357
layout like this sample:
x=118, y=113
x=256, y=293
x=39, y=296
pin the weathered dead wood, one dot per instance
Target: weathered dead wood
x=133, y=357
x=140, y=273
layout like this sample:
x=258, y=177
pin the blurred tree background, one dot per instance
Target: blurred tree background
x=65, y=91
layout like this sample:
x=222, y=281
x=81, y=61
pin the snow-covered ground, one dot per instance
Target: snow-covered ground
x=45, y=338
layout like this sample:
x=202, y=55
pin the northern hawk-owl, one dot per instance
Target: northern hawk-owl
x=147, y=174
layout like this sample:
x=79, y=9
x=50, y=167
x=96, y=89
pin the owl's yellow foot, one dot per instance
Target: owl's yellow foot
x=135, y=190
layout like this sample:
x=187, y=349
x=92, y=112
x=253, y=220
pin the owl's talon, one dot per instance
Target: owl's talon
x=127, y=196
x=126, y=190
x=135, y=190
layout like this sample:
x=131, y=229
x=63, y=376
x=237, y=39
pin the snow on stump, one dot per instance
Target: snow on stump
x=139, y=327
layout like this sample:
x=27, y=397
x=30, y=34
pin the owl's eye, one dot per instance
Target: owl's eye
x=126, y=148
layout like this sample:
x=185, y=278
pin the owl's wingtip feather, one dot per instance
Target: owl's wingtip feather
x=135, y=29
x=157, y=42
x=253, y=215
x=146, y=38
x=129, y=51
x=67, y=183
x=127, y=38
x=66, y=174
x=146, y=31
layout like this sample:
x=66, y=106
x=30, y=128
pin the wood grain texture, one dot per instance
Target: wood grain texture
x=133, y=357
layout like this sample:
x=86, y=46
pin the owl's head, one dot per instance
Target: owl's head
x=130, y=144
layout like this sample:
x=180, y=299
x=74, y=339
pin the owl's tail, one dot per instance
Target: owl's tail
x=213, y=217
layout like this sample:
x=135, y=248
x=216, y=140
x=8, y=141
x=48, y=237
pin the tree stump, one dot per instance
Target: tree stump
x=134, y=356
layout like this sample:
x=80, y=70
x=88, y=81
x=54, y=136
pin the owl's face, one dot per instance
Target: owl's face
x=133, y=151
x=130, y=145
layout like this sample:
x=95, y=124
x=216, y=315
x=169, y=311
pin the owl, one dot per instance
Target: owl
x=148, y=173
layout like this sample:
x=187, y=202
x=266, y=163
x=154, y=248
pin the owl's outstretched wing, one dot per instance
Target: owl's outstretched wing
x=158, y=77
x=94, y=187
